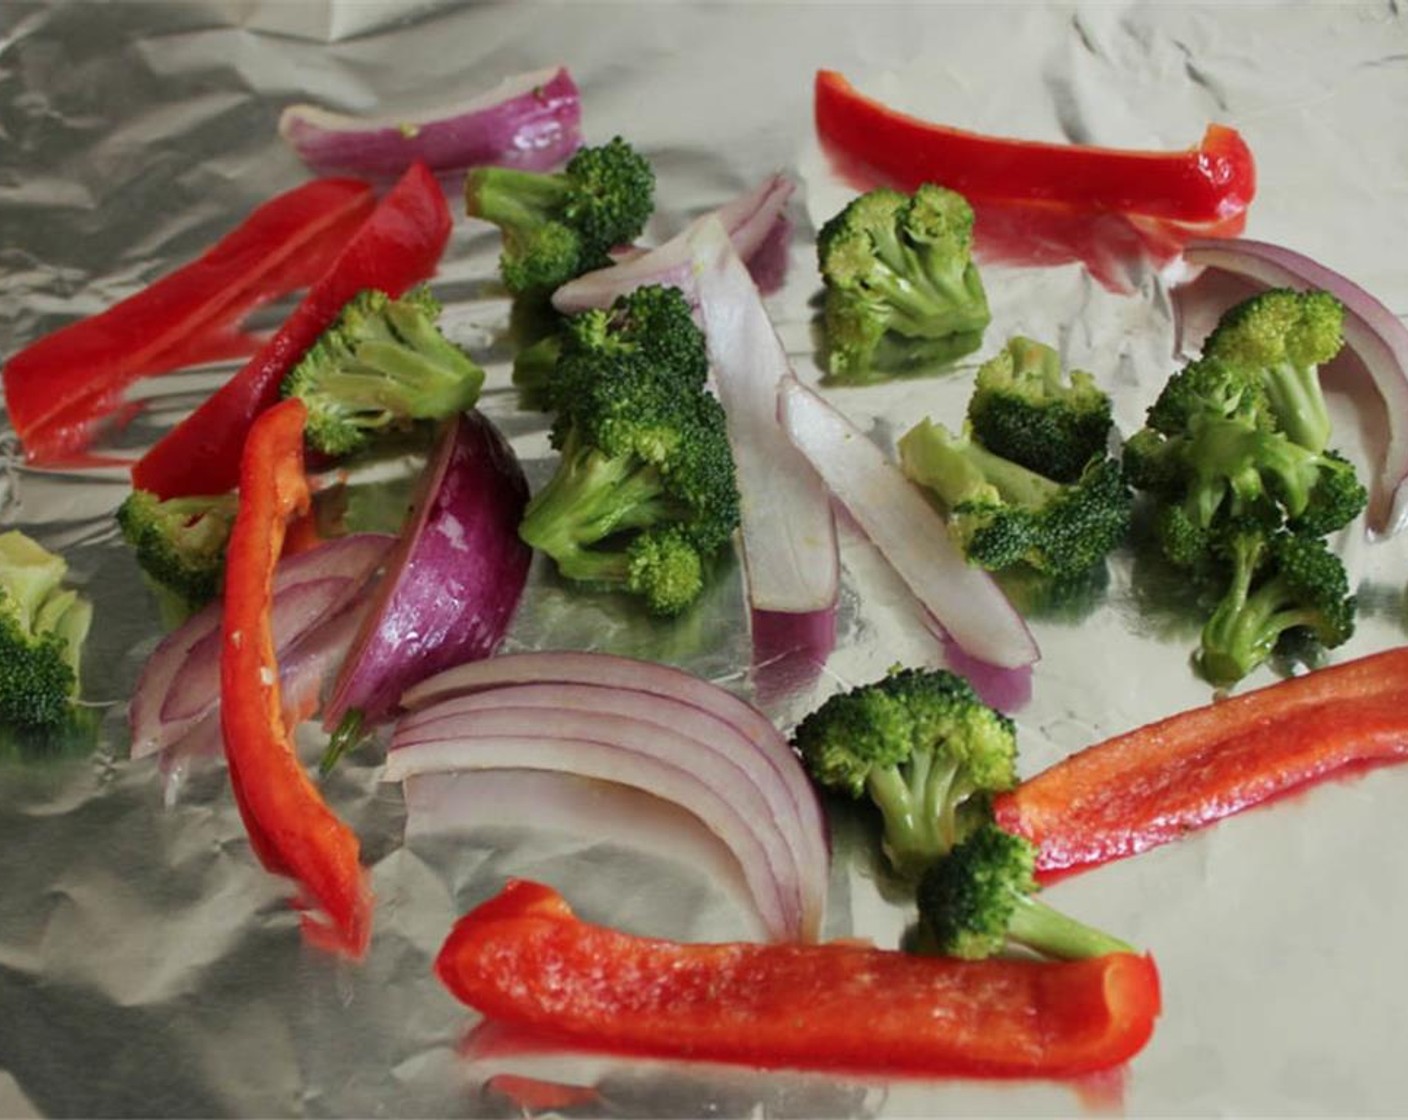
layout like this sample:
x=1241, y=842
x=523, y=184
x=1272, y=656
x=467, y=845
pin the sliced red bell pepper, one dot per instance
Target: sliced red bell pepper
x=397, y=247
x=1207, y=183
x=1166, y=779
x=525, y=960
x=291, y=829
x=60, y=387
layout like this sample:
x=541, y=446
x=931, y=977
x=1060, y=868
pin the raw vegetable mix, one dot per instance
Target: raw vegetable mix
x=673, y=406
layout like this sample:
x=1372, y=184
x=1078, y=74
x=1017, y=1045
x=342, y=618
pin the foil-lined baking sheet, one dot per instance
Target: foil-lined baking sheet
x=148, y=966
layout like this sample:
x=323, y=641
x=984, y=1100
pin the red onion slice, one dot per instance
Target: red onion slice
x=651, y=679
x=455, y=579
x=530, y=121
x=624, y=751
x=1376, y=347
x=669, y=719
x=750, y=221
x=908, y=531
x=790, y=554
x=179, y=686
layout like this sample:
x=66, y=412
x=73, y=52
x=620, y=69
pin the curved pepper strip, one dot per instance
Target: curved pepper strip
x=1166, y=779
x=291, y=829
x=525, y=960
x=397, y=247
x=1208, y=183
x=60, y=387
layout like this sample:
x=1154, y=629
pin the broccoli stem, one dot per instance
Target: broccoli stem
x=917, y=804
x=1047, y=930
x=514, y=199
x=589, y=498
x=1298, y=402
x=915, y=289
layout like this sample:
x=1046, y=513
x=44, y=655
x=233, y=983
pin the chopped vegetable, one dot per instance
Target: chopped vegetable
x=180, y=542
x=644, y=494
x=1003, y=515
x=179, y=686
x=397, y=247
x=979, y=899
x=751, y=221
x=1025, y=409
x=902, y=293
x=735, y=784
x=530, y=120
x=43, y=626
x=524, y=959
x=291, y=829
x=790, y=553
x=1210, y=182
x=382, y=364
x=653, y=679
x=1162, y=781
x=561, y=224
x=1375, y=350
x=897, y=518
x=454, y=580
x=59, y=388
x=922, y=747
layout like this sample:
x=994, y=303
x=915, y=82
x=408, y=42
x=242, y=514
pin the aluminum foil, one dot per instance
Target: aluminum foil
x=148, y=966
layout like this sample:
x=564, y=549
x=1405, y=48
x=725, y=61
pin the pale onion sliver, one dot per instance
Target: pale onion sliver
x=670, y=719
x=908, y=531
x=609, y=762
x=650, y=678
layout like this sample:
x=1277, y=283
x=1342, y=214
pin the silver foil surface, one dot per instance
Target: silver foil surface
x=148, y=966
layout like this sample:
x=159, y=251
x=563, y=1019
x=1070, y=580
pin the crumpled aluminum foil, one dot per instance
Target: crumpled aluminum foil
x=148, y=966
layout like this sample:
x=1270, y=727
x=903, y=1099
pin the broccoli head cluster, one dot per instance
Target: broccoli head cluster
x=1243, y=488
x=1029, y=482
x=902, y=293
x=644, y=494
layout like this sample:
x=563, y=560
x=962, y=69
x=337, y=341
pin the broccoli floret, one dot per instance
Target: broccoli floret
x=1208, y=388
x=922, y=746
x=533, y=367
x=1024, y=410
x=645, y=491
x=1284, y=586
x=1220, y=468
x=980, y=898
x=381, y=365
x=1003, y=515
x=180, y=542
x=559, y=225
x=1282, y=337
x=901, y=290
x=43, y=626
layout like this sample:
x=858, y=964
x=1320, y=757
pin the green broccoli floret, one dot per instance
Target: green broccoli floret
x=1219, y=468
x=180, y=542
x=645, y=492
x=1282, y=337
x=558, y=225
x=922, y=746
x=979, y=899
x=902, y=293
x=1003, y=515
x=1023, y=409
x=43, y=626
x=1284, y=586
x=381, y=365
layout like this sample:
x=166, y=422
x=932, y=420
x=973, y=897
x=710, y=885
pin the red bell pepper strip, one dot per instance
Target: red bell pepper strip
x=1166, y=779
x=1208, y=183
x=60, y=387
x=397, y=247
x=523, y=959
x=291, y=829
